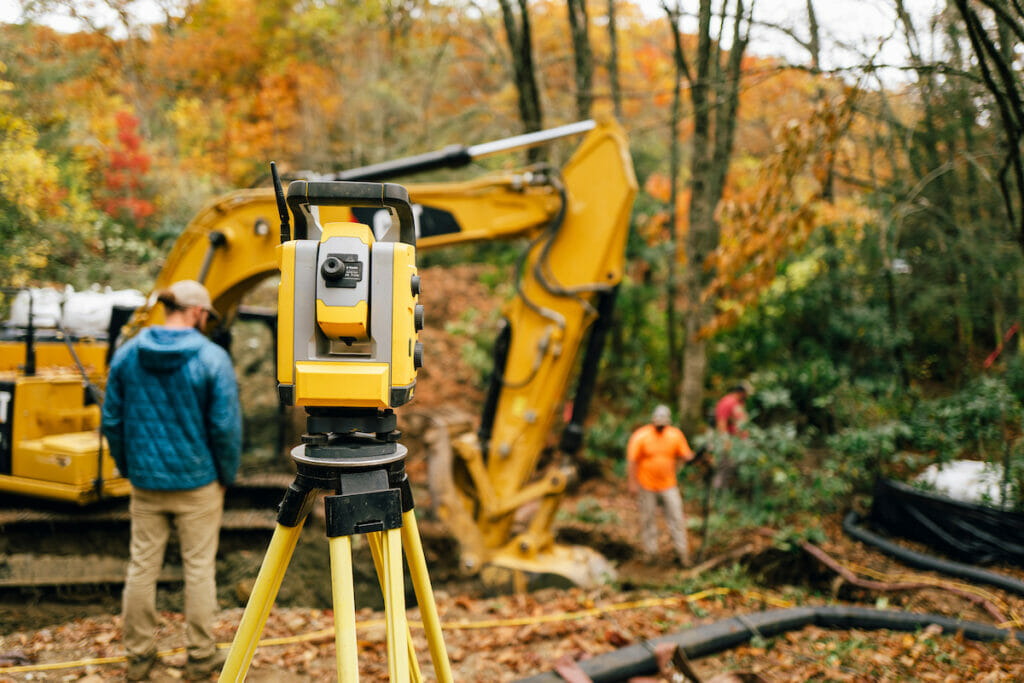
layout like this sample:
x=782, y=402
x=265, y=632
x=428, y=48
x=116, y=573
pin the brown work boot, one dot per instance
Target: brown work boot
x=139, y=667
x=199, y=669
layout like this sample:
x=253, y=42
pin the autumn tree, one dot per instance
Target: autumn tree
x=712, y=73
x=45, y=219
x=124, y=177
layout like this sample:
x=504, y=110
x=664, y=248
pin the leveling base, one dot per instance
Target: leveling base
x=371, y=496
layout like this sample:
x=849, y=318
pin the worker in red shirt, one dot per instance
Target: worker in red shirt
x=730, y=418
x=653, y=455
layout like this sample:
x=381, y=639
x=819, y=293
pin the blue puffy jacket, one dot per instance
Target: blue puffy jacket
x=170, y=411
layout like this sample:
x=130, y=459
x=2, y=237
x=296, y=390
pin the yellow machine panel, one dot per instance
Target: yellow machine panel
x=47, y=404
x=63, y=458
x=407, y=319
x=55, y=354
x=285, y=311
x=343, y=321
x=366, y=384
x=50, y=444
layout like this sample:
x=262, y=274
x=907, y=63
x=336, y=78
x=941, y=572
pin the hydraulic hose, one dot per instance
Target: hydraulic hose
x=852, y=528
x=639, y=660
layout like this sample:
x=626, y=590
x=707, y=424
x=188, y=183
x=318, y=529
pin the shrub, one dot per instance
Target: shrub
x=977, y=420
x=857, y=455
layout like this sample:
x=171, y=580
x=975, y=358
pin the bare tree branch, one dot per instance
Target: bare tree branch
x=1002, y=84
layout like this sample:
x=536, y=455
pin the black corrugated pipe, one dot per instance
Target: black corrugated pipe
x=852, y=528
x=639, y=660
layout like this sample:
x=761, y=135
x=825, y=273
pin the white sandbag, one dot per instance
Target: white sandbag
x=969, y=481
x=45, y=304
x=88, y=313
x=83, y=314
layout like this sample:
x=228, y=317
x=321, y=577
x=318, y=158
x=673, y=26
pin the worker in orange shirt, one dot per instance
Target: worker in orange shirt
x=653, y=455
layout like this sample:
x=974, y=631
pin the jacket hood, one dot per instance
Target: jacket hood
x=165, y=350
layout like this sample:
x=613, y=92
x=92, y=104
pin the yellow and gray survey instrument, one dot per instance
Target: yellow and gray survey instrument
x=348, y=300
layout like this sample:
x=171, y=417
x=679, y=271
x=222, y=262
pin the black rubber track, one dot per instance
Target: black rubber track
x=638, y=660
x=852, y=528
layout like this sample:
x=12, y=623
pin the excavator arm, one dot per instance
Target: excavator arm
x=577, y=219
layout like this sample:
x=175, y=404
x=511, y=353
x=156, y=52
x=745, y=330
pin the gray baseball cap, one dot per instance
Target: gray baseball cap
x=661, y=416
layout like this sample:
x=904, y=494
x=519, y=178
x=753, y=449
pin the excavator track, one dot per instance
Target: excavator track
x=63, y=548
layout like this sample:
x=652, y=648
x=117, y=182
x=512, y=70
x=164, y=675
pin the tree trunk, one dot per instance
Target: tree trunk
x=517, y=30
x=613, y=61
x=695, y=361
x=674, y=364
x=579, y=27
x=714, y=95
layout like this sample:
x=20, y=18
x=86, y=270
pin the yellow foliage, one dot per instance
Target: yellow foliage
x=28, y=179
x=195, y=126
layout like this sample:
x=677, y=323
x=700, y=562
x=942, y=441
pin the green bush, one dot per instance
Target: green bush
x=478, y=332
x=856, y=456
x=801, y=391
x=975, y=421
x=1015, y=376
x=606, y=438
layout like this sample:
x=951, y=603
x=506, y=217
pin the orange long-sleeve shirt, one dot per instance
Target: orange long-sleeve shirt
x=654, y=456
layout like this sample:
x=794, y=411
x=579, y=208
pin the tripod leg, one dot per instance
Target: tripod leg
x=268, y=582
x=425, y=597
x=393, y=588
x=375, y=548
x=344, y=609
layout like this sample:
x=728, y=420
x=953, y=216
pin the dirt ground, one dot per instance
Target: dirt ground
x=504, y=637
x=70, y=635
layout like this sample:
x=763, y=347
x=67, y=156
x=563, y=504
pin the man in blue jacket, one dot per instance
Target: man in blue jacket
x=172, y=420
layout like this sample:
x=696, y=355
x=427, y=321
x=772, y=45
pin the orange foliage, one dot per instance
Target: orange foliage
x=234, y=83
x=772, y=215
x=659, y=186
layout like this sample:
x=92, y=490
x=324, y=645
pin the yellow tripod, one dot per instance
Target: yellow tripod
x=371, y=496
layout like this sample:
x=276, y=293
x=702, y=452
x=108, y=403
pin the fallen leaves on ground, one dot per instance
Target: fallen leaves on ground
x=509, y=637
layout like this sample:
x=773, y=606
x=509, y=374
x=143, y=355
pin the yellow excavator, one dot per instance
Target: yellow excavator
x=575, y=220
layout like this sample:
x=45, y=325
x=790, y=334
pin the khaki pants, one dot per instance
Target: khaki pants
x=675, y=519
x=196, y=515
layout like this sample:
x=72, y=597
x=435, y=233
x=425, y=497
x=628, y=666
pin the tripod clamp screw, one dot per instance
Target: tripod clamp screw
x=315, y=439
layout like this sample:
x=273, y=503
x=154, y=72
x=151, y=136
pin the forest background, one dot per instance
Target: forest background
x=848, y=242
